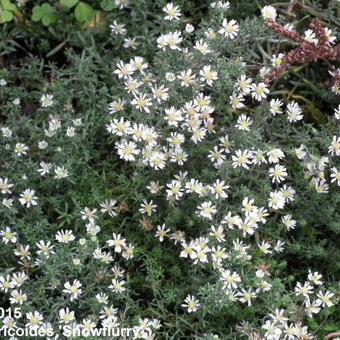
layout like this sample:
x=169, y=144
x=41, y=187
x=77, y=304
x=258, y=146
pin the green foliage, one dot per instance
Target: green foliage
x=82, y=11
x=79, y=74
x=44, y=13
x=7, y=11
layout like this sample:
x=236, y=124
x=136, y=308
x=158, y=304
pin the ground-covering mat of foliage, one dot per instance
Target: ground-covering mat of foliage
x=170, y=170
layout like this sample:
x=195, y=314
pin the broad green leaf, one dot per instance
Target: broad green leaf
x=37, y=13
x=49, y=19
x=68, y=3
x=6, y=16
x=8, y=6
x=107, y=5
x=45, y=13
x=47, y=8
x=83, y=12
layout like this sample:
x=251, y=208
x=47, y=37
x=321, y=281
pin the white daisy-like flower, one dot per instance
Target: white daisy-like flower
x=172, y=12
x=47, y=100
x=259, y=91
x=311, y=37
x=275, y=106
x=229, y=29
x=334, y=148
x=294, y=112
x=244, y=122
x=207, y=210
x=28, y=198
x=268, y=12
x=191, y=304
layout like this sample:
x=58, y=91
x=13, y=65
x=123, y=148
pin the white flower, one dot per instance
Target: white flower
x=142, y=102
x=294, y=112
x=337, y=113
x=218, y=189
x=311, y=37
x=244, y=122
x=191, y=304
x=117, y=242
x=42, y=145
x=6, y=132
x=241, y=159
x=324, y=299
x=47, y=100
x=276, y=60
x=207, y=75
x=202, y=47
x=116, y=106
x=304, y=290
x=118, y=286
x=207, y=210
x=172, y=12
x=17, y=296
x=312, y=307
x=334, y=148
x=275, y=106
x=244, y=85
x=162, y=232
x=278, y=173
x=335, y=176
x=273, y=332
x=275, y=155
x=65, y=236
x=70, y=131
x=44, y=168
x=236, y=101
x=28, y=198
x=173, y=116
x=35, y=319
x=217, y=233
x=124, y=71
x=259, y=91
x=229, y=29
x=268, y=12
x=127, y=150
x=89, y=214
x=331, y=38
x=20, y=149
x=74, y=289
x=245, y=296
x=60, y=172
x=118, y=28
x=276, y=200
x=189, y=28
x=288, y=222
x=44, y=248
x=230, y=279
x=8, y=235
x=315, y=278
x=5, y=185
x=109, y=207
x=148, y=207
x=66, y=316
x=265, y=247
x=7, y=202
x=174, y=190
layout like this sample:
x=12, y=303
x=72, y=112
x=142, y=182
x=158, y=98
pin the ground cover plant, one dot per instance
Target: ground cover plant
x=170, y=170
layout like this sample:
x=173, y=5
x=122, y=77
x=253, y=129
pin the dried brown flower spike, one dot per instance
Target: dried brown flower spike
x=306, y=52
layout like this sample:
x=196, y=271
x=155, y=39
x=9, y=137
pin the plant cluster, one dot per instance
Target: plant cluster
x=183, y=183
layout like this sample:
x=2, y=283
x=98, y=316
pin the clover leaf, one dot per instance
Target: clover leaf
x=84, y=12
x=7, y=10
x=68, y=3
x=45, y=13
